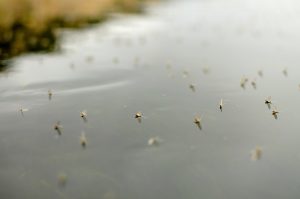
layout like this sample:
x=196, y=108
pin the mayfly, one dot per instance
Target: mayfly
x=197, y=121
x=275, y=112
x=58, y=127
x=268, y=102
x=138, y=116
x=83, y=115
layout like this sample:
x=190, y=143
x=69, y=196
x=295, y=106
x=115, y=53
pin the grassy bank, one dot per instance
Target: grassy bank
x=29, y=25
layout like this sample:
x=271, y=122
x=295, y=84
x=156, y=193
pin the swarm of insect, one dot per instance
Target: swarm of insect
x=154, y=141
x=197, y=121
x=260, y=73
x=221, y=105
x=275, y=112
x=192, y=87
x=268, y=102
x=256, y=153
x=58, y=127
x=83, y=140
x=22, y=110
x=83, y=115
x=50, y=94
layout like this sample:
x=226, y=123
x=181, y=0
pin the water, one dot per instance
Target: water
x=138, y=63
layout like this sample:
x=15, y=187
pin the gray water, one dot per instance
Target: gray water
x=146, y=63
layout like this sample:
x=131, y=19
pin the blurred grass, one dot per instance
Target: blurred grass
x=29, y=25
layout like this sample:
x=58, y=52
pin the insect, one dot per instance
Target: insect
x=197, y=121
x=221, y=105
x=275, y=112
x=62, y=179
x=260, y=73
x=256, y=153
x=138, y=116
x=243, y=82
x=22, y=110
x=268, y=102
x=285, y=72
x=192, y=87
x=58, y=127
x=50, y=94
x=253, y=83
x=83, y=115
x=83, y=140
x=154, y=141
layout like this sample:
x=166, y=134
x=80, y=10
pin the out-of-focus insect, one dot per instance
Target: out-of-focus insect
x=83, y=140
x=205, y=70
x=58, y=127
x=185, y=73
x=197, y=121
x=62, y=179
x=221, y=105
x=256, y=153
x=50, y=94
x=268, y=102
x=243, y=82
x=138, y=116
x=253, y=83
x=275, y=112
x=83, y=115
x=285, y=72
x=192, y=87
x=260, y=73
x=22, y=110
x=154, y=141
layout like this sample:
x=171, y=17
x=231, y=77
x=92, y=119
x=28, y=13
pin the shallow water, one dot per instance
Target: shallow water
x=146, y=63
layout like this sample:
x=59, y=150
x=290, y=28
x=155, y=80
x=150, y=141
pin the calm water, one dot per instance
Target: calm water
x=146, y=63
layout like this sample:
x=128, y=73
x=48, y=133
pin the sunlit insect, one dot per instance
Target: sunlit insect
x=192, y=87
x=221, y=105
x=285, y=72
x=83, y=115
x=138, y=116
x=275, y=112
x=22, y=110
x=197, y=121
x=83, y=140
x=154, y=141
x=256, y=153
x=50, y=94
x=253, y=83
x=260, y=73
x=58, y=127
x=268, y=102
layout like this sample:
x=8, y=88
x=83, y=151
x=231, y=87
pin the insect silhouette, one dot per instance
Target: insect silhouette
x=83, y=115
x=197, y=121
x=138, y=116
x=256, y=153
x=22, y=110
x=58, y=127
x=268, y=102
x=221, y=105
x=275, y=113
